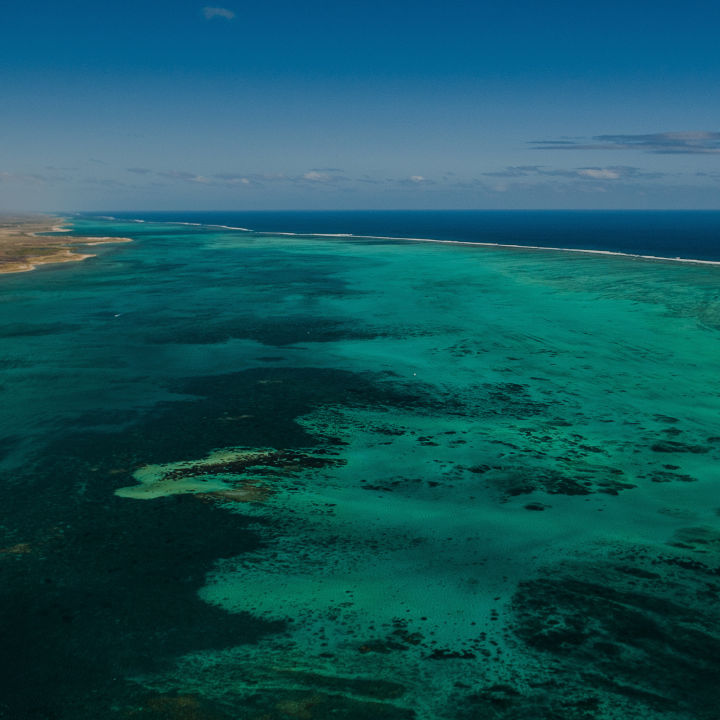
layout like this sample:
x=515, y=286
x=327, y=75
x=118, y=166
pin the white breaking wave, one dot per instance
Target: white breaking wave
x=498, y=245
x=476, y=243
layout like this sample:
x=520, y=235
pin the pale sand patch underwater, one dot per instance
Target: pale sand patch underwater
x=222, y=476
x=221, y=472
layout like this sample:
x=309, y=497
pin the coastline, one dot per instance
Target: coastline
x=28, y=241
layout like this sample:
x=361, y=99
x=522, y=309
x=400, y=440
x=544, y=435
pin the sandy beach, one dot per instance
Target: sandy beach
x=24, y=244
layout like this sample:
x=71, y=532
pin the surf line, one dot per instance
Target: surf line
x=477, y=243
x=615, y=253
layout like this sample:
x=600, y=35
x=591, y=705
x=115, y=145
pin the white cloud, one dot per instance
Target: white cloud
x=185, y=176
x=417, y=178
x=599, y=173
x=218, y=12
x=232, y=179
x=316, y=176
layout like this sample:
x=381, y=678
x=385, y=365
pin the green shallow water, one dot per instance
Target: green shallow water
x=252, y=476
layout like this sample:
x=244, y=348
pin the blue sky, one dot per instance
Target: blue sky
x=167, y=104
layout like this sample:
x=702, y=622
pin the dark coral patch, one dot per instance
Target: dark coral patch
x=672, y=446
x=662, y=476
x=176, y=707
x=640, y=637
x=547, y=702
x=512, y=399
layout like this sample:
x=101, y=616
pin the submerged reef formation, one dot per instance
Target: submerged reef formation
x=639, y=627
x=401, y=586
x=222, y=475
x=379, y=480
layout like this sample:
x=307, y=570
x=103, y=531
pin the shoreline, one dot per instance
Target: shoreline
x=29, y=241
x=21, y=235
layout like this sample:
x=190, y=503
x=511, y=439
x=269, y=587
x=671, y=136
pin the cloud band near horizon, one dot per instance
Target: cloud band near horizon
x=664, y=143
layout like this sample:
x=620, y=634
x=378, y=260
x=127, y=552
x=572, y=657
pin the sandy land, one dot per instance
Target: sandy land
x=23, y=247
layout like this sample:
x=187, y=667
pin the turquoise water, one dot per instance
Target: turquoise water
x=260, y=476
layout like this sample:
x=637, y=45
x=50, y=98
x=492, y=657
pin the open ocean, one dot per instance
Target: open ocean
x=304, y=471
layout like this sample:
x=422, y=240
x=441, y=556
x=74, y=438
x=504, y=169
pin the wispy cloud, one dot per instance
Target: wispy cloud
x=218, y=12
x=107, y=183
x=665, y=143
x=311, y=177
x=30, y=178
x=182, y=175
x=619, y=172
x=613, y=172
x=232, y=179
x=329, y=176
x=599, y=173
x=315, y=176
x=515, y=171
x=413, y=180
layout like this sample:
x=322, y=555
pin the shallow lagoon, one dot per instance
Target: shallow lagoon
x=261, y=476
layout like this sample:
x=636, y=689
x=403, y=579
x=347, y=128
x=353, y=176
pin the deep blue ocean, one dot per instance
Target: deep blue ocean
x=686, y=234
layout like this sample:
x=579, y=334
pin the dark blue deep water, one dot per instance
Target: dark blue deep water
x=686, y=234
